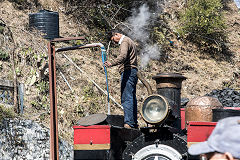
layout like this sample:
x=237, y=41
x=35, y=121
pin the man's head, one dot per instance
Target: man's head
x=115, y=35
x=223, y=143
x=217, y=156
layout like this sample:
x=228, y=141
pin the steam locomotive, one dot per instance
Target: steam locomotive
x=102, y=136
x=170, y=129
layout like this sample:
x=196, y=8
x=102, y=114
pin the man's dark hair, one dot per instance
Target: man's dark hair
x=113, y=32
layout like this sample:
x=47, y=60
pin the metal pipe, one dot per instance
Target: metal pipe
x=66, y=80
x=104, y=91
x=67, y=39
x=54, y=154
x=104, y=58
x=80, y=47
x=21, y=96
x=145, y=83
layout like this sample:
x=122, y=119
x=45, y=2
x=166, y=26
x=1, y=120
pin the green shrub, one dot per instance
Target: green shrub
x=43, y=87
x=1, y=29
x=6, y=112
x=4, y=55
x=98, y=16
x=202, y=23
x=91, y=99
x=23, y=4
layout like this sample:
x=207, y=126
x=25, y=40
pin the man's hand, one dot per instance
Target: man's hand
x=107, y=64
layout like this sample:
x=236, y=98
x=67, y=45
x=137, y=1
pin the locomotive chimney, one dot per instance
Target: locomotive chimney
x=169, y=85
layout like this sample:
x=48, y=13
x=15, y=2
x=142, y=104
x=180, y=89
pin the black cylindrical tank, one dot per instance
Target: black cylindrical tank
x=47, y=22
x=221, y=113
x=169, y=85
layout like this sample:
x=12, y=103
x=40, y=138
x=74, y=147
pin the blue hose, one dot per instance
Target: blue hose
x=104, y=58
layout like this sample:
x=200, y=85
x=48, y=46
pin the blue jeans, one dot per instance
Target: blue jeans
x=128, y=96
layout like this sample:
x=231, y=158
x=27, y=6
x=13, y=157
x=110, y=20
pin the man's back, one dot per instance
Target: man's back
x=128, y=56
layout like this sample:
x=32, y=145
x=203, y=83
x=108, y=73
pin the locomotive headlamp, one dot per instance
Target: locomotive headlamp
x=155, y=109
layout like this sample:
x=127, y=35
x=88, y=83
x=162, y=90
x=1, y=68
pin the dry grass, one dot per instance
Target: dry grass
x=203, y=72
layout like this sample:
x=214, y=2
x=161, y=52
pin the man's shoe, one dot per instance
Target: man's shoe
x=127, y=126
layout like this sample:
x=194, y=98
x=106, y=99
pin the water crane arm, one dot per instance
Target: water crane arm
x=104, y=58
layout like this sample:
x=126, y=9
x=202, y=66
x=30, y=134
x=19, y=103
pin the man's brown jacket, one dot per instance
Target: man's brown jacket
x=128, y=57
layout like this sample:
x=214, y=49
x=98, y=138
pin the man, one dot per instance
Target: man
x=222, y=144
x=127, y=62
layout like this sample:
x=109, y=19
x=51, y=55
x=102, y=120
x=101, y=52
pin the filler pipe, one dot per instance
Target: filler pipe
x=80, y=47
x=104, y=91
x=104, y=58
x=54, y=150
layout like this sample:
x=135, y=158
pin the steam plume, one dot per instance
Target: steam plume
x=140, y=21
x=237, y=3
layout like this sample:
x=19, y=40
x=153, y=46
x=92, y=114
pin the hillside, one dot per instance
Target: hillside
x=204, y=72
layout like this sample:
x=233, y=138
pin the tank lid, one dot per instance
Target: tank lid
x=42, y=12
x=169, y=75
x=92, y=119
x=45, y=10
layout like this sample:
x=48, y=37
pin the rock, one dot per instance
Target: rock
x=25, y=139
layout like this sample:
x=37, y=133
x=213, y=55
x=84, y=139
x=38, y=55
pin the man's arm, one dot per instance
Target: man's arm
x=122, y=56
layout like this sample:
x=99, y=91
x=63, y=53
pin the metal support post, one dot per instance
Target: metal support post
x=54, y=154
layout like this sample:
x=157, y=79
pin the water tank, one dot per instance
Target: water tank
x=201, y=108
x=47, y=22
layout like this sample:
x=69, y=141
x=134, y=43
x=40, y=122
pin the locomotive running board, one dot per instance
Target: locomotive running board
x=91, y=146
